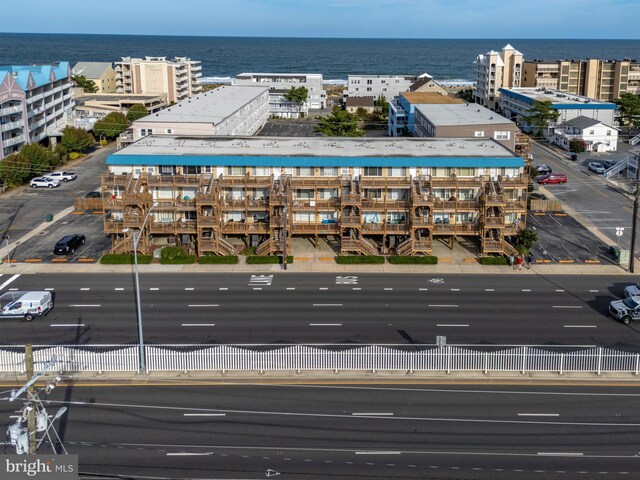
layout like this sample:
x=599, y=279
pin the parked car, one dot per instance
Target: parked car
x=62, y=176
x=551, y=178
x=537, y=196
x=93, y=195
x=596, y=167
x=543, y=169
x=69, y=244
x=632, y=290
x=44, y=182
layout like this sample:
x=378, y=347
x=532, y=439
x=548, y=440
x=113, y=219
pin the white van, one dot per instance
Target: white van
x=25, y=304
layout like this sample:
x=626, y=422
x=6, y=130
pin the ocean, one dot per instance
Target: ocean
x=447, y=60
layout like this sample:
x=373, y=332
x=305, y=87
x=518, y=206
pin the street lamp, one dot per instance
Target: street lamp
x=142, y=363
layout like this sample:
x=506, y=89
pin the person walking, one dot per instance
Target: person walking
x=510, y=260
x=519, y=262
x=528, y=258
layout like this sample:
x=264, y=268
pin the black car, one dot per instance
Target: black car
x=543, y=169
x=93, y=195
x=69, y=244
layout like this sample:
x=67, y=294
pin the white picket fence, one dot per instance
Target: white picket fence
x=275, y=357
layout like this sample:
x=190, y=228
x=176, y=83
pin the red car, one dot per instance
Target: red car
x=551, y=178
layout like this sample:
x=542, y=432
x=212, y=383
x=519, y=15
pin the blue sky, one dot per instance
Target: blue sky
x=331, y=18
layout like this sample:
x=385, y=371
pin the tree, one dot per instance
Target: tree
x=88, y=86
x=381, y=104
x=542, y=113
x=467, y=95
x=15, y=169
x=111, y=126
x=576, y=145
x=297, y=95
x=339, y=123
x=137, y=111
x=40, y=159
x=628, y=109
x=76, y=139
x=525, y=240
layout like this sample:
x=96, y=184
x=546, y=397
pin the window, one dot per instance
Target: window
x=373, y=193
x=373, y=171
x=304, y=194
x=190, y=170
x=478, y=133
x=146, y=131
x=344, y=170
x=329, y=171
x=502, y=135
x=368, y=89
x=398, y=172
x=261, y=171
x=236, y=170
x=465, y=172
x=167, y=170
x=304, y=171
x=169, y=130
x=369, y=82
x=608, y=132
x=591, y=132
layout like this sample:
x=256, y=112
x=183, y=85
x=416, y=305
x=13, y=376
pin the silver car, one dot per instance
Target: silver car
x=596, y=167
x=44, y=182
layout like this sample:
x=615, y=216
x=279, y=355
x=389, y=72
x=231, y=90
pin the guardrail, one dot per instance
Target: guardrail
x=329, y=357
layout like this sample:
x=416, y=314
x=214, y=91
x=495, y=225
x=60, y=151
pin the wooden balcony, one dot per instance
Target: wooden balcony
x=208, y=221
x=449, y=205
x=493, y=200
x=455, y=229
x=351, y=220
x=491, y=246
x=456, y=182
x=133, y=221
x=371, y=227
x=521, y=181
x=188, y=226
x=210, y=198
x=422, y=245
x=113, y=204
x=493, y=222
x=421, y=221
x=179, y=205
x=396, y=228
x=516, y=205
x=245, y=204
x=351, y=199
x=136, y=198
x=316, y=182
x=173, y=180
x=113, y=226
x=385, y=182
x=113, y=180
x=418, y=199
x=315, y=228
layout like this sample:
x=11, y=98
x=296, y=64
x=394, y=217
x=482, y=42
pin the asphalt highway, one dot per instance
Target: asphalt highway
x=350, y=431
x=325, y=308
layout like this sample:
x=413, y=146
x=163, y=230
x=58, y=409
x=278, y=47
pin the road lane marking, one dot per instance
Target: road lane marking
x=388, y=289
x=356, y=288
x=88, y=305
x=9, y=281
x=526, y=289
x=327, y=304
x=594, y=291
x=49, y=289
x=118, y=289
x=372, y=414
x=323, y=288
x=223, y=288
x=154, y=289
x=566, y=306
x=443, y=306
x=186, y=454
x=325, y=324
x=67, y=325
x=423, y=289
x=13, y=289
x=452, y=325
x=204, y=305
x=85, y=289
x=580, y=326
x=257, y=288
x=559, y=290
x=291, y=288
x=455, y=289
x=561, y=454
x=189, y=288
x=489, y=290
x=379, y=453
x=198, y=324
x=204, y=414
x=538, y=414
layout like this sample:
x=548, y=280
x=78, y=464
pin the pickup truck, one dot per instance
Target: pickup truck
x=27, y=305
x=62, y=176
x=626, y=309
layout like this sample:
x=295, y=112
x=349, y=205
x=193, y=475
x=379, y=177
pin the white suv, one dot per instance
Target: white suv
x=44, y=182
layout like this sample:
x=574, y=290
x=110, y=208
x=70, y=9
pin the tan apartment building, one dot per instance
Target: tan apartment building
x=496, y=70
x=464, y=121
x=101, y=74
x=599, y=79
x=218, y=195
x=177, y=78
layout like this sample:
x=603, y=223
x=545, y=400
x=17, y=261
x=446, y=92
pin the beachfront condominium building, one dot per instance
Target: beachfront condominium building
x=219, y=195
x=600, y=79
x=464, y=121
x=226, y=110
x=36, y=102
x=281, y=83
x=177, y=78
x=91, y=107
x=390, y=86
x=101, y=74
x=518, y=103
x=496, y=70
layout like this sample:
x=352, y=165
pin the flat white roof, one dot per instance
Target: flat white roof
x=314, y=147
x=461, y=114
x=208, y=107
x=554, y=96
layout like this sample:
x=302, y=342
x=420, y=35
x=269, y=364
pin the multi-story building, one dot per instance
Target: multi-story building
x=518, y=103
x=594, y=135
x=496, y=70
x=177, y=78
x=35, y=103
x=91, y=107
x=101, y=74
x=280, y=83
x=226, y=110
x=390, y=86
x=600, y=79
x=401, y=121
x=464, y=121
x=221, y=194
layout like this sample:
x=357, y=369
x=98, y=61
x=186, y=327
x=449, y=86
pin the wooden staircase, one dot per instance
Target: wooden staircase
x=360, y=246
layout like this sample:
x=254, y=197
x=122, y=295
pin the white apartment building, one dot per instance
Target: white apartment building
x=496, y=70
x=390, y=86
x=36, y=102
x=226, y=110
x=596, y=135
x=177, y=78
x=280, y=83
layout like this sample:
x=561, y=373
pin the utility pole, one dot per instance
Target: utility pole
x=31, y=413
x=634, y=220
x=284, y=240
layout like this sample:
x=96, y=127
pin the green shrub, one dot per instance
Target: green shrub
x=124, y=259
x=103, y=143
x=74, y=155
x=409, y=259
x=249, y=251
x=262, y=259
x=215, y=259
x=359, y=260
x=175, y=256
x=493, y=261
